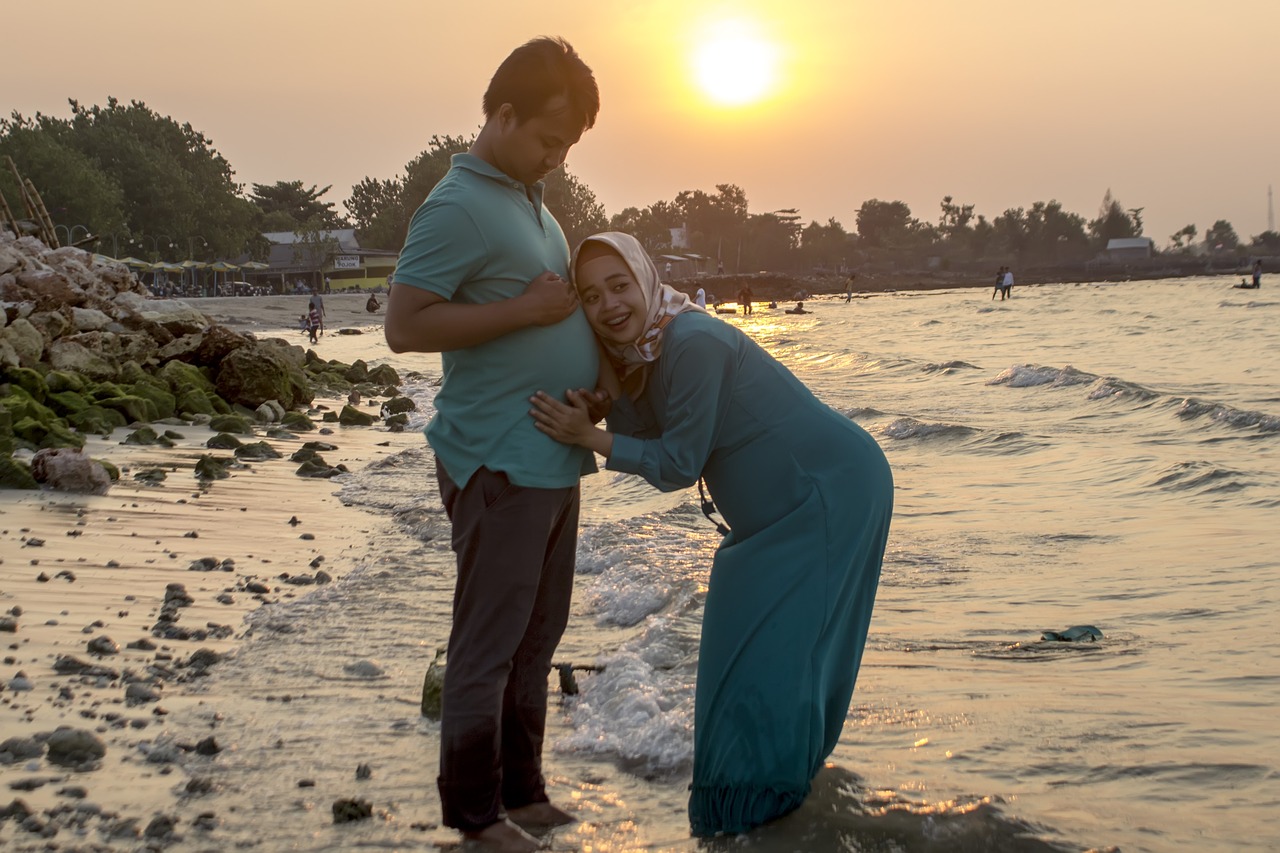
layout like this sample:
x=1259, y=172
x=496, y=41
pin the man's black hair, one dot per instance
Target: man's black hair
x=538, y=71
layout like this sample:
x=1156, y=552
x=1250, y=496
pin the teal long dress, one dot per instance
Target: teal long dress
x=808, y=495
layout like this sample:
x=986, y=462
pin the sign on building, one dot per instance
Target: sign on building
x=346, y=262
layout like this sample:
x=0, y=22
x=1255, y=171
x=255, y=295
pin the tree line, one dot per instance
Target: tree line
x=146, y=185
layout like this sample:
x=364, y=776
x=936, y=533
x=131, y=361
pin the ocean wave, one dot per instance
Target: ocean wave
x=636, y=713
x=1032, y=375
x=1202, y=477
x=1192, y=408
x=948, y=367
x=904, y=428
x=862, y=412
x=1110, y=388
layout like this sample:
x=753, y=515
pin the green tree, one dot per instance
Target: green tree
x=286, y=205
x=953, y=224
x=770, y=242
x=1114, y=222
x=174, y=181
x=574, y=206
x=651, y=225
x=75, y=190
x=1221, y=237
x=886, y=224
x=376, y=209
x=825, y=246
x=713, y=221
x=1267, y=241
x=1182, y=239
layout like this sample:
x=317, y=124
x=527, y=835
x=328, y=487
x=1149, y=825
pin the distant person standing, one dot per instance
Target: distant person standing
x=700, y=298
x=744, y=298
x=316, y=307
x=719, y=267
x=1006, y=284
x=1257, y=273
x=666, y=272
x=848, y=288
x=999, y=284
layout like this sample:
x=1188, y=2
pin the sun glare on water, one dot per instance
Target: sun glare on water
x=734, y=65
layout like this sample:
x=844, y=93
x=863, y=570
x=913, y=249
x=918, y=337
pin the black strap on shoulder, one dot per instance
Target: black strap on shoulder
x=708, y=507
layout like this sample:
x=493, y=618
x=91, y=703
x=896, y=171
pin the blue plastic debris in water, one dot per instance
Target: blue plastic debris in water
x=1074, y=634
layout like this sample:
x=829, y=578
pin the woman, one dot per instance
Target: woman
x=808, y=495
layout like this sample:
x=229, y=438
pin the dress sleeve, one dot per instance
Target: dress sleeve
x=696, y=376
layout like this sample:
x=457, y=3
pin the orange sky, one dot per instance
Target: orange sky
x=998, y=103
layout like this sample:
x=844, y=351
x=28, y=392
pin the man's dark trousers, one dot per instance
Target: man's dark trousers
x=515, y=551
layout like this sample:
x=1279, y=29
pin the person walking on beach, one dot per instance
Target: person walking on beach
x=744, y=298
x=848, y=288
x=313, y=322
x=1257, y=273
x=1006, y=284
x=999, y=284
x=316, y=307
x=808, y=494
x=507, y=323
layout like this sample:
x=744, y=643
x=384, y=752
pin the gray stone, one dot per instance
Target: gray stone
x=74, y=747
x=26, y=341
x=76, y=358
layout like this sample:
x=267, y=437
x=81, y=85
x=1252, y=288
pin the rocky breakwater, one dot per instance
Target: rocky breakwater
x=84, y=350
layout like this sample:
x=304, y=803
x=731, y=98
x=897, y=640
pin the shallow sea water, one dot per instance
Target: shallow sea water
x=1098, y=455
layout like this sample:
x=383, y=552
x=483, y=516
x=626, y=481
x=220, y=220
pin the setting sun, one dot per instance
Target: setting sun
x=734, y=66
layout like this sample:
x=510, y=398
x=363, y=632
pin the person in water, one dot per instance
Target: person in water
x=807, y=492
x=1257, y=273
x=799, y=309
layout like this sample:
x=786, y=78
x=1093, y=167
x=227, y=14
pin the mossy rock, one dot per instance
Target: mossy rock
x=67, y=402
x=193, y=401
x=104, y=391
x=134, y=408
x=96, y=420
x=232, y=423
x=180, y=376
x=400, y=420
x=329, y=418
x=212, y=468
x=6, y=432
x=28, y=380
x=384, y=374
x=22, y=405
x=297, y=421
x=145, y=436
x=357, y=372
x=61, y=380
x=351, y=416
x=112, y=471
x=15, y=474
x=132, y=374
x=151, y=476
x=54, y=433
x=159, y=396
x=396, y=405
x=317, y=469
x=173, y=435
x=257, y=450
x=223, y=441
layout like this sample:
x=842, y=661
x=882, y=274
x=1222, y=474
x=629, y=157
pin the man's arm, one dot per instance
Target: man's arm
x=418, y=320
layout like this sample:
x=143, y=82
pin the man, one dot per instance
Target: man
x=1006, y=284
x=316, y=307
x=482, y=278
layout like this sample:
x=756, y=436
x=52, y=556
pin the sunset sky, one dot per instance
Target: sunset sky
x=999, y=103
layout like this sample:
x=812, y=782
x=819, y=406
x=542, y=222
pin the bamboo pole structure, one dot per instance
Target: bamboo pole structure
x=7, y=219
x=46, y=221
x=25, y=189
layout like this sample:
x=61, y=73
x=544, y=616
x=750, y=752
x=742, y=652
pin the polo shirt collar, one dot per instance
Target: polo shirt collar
x=472, y=163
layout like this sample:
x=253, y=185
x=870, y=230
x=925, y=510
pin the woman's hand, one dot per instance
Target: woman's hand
x=570, y=423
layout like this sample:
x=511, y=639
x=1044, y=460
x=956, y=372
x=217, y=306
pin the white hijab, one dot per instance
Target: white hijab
x=662, y=304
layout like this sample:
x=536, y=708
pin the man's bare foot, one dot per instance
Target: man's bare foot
x=501, y=837
x=540, y=816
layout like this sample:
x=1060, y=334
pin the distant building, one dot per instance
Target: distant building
x=1122, y=249
x=334, y=254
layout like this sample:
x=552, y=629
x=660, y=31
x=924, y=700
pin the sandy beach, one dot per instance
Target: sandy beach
x=86, y=581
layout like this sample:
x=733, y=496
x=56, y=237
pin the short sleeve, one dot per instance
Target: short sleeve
x=443, y=249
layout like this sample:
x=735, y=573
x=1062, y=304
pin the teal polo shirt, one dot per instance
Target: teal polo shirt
x=482, y=236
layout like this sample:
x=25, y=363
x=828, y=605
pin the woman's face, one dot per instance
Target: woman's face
x=612, y=299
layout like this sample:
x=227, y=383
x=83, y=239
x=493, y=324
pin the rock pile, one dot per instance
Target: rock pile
x=83, y=350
